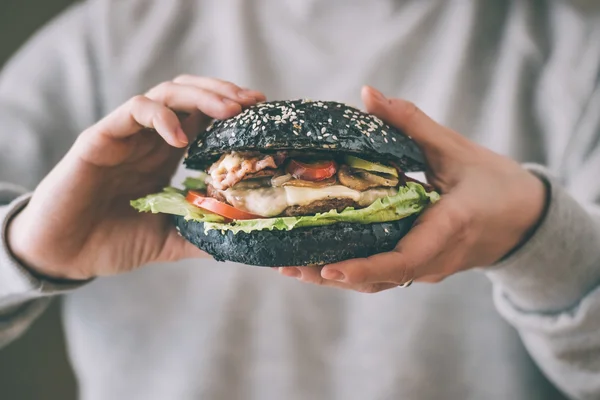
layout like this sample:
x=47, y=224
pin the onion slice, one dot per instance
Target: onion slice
x=278, y=181
x=311, y=184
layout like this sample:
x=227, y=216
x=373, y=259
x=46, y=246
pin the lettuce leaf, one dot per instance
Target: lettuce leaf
x=409, y=200
x=172, y=201
x=191, y=183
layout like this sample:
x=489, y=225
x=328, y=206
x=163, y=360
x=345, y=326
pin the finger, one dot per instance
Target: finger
x=141, y=112
x=385, y=267
x=225, y=88
x=407, y=117
x=312, y=275
x=409, y=260
x=191, y=99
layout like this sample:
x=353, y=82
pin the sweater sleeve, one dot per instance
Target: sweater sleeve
x=23, y=297
x=549, y=289
x=47, y=96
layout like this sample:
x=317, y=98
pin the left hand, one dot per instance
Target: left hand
x=489, y=206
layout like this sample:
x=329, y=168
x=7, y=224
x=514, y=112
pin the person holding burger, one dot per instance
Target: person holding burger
x=89, y=138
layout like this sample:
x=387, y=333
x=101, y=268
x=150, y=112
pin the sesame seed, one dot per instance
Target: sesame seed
x=323, y=130
x=385, y=139
x=394, y=139
x=334, y=137
x=319, y=137
x=325, y=135
x=308, y=133
x=372, y=141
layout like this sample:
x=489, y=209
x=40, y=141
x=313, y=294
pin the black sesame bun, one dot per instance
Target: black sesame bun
x=319, y=245
x=306, y=125
x=315, y=126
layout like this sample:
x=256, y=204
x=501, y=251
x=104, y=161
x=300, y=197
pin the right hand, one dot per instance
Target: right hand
x=79, y=224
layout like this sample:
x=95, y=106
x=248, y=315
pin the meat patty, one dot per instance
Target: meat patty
x=215, y=194
x=320, y=206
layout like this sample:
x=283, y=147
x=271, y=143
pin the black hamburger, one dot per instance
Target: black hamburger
x=294, y=183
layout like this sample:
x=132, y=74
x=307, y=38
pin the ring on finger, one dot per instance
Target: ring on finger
x=406, y=284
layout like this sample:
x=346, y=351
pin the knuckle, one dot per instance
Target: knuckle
x=162, y=91
x=138, y=101
x=357, y=277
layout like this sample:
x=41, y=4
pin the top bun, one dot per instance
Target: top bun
x=306, y=125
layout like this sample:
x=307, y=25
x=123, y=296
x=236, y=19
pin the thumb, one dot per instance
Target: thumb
x=407, y=117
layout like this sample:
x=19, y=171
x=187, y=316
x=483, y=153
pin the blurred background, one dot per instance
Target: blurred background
x=35, y=367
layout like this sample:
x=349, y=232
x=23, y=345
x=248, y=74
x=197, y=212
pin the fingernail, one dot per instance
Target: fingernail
x=377, y=94
x=181, y=136
x=332, y=275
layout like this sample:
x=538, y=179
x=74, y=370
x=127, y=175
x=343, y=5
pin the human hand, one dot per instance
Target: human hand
x=79, y=223
x=489, y=205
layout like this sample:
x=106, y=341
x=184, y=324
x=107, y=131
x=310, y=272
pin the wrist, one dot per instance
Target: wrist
x=552, y=272
x=540, y=195
x=21, y=249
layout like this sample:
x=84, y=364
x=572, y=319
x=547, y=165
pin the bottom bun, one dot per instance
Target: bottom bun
x=318, y=245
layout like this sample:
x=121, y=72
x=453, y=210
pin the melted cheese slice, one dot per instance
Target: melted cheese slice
x=270, y=202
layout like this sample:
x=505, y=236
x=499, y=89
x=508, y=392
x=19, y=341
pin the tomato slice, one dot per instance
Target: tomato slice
x=218, y=207
x=313, y=171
